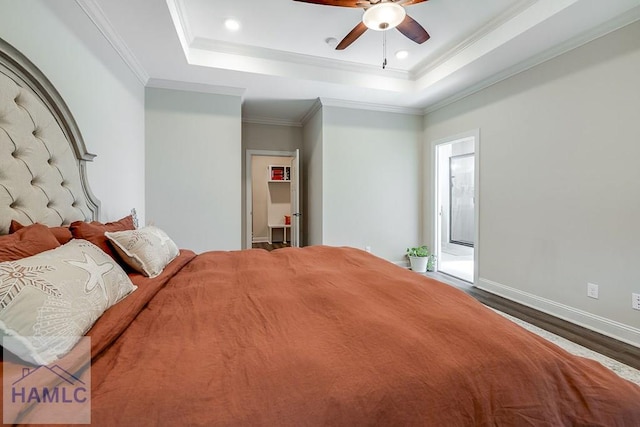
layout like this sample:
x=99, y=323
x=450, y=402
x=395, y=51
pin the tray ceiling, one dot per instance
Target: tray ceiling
x=280, y=62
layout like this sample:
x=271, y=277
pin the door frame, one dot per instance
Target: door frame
x=249, y=153
x=435, y=223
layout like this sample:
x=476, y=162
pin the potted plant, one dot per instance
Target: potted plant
x=418, y=257
x=431, y=263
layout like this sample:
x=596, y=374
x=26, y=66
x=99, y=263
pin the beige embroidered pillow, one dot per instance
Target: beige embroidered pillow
x=147, y=250
x=50, y=300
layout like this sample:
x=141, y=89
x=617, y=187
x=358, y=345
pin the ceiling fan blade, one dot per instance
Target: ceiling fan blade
x=341, y=3
x=411, y=29
x=409, y=2
x=357, y=31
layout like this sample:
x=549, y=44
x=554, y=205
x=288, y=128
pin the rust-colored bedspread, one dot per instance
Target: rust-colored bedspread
x=336, y=336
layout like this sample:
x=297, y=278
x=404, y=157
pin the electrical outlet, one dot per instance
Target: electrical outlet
x=592, y=290
x=635, y=301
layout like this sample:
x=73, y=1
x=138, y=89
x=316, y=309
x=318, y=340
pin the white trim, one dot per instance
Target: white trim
x=605, y=326
x=429, y=65
x=249, y=153
x=317, y=105
x=99, y=19
x=195, y=87
x=356, y=105
x=271, y=121
x=289, y=58
x=260, y=239
x=403, y=264
x=433, y=206
x=180, y=10
x=476, y=202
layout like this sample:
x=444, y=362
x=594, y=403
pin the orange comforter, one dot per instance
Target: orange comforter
x=332, y=336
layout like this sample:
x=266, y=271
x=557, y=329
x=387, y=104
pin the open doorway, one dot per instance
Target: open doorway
x=456, y=205
x=273, y=217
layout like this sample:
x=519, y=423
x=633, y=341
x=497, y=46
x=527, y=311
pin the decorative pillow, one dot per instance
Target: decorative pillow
x=50, y=300
x=94, y=232
x=63, y=234
x=26, y=242
x=147, y=250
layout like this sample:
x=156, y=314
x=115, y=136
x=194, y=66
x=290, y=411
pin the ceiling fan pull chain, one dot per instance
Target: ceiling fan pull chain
x=384, y=50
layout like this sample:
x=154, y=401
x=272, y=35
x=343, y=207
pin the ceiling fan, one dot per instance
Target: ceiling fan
x=379, y=15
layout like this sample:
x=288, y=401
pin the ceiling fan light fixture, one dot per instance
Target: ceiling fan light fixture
x=383, y=16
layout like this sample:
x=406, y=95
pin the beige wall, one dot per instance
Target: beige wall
x=371, y=189
x=193, y=155
x=560, y=182
x=256, y=136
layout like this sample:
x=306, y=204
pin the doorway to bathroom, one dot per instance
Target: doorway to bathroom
x=456, y=205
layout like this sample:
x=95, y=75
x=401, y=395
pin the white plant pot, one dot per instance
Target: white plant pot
x=419, y=263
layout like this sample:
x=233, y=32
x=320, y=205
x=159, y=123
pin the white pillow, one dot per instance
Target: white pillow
x=50, y=300
x=147, y=250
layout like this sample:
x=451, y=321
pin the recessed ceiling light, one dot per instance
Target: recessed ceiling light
x=402, y=54
x=331, y=41
x=232, y=24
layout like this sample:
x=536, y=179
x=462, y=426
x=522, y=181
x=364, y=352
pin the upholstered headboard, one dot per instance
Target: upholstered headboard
x=42, y=154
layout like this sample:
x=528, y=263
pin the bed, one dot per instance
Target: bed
x=298, y=336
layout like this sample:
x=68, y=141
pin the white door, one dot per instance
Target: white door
x=296, y=215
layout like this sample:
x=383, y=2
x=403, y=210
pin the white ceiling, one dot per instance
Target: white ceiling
x=280, y=63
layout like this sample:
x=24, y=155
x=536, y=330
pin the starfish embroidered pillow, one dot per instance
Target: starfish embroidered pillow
x=147, y=250
x=50, y=300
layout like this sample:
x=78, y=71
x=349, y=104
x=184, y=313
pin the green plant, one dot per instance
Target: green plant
x=431, y=263
x=421, y=251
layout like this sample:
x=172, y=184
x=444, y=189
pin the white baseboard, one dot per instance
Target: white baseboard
x=403, y=264
x=605, y=326
x=260, y=240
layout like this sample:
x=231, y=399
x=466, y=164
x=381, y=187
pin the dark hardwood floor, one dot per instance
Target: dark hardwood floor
x=610, y=347
x=270, y=247
x=618, y=350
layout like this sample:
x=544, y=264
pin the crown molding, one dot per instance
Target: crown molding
x=272, y=121
x=317, y=105
x=177, y=10
x=195, y=87
x=569, y=45
x=99, y=19
x=450, y=52
x=355, y=105
x=181, y=13
x=216, y=46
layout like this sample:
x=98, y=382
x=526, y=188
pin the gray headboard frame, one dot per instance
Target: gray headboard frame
x=20, y=69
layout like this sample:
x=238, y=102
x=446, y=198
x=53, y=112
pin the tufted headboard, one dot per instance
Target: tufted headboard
x=42, y=154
